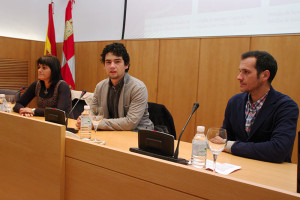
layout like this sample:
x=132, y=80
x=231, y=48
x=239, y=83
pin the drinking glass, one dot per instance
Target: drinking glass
x=216, y=139
x=97, y=115
x=11, y=101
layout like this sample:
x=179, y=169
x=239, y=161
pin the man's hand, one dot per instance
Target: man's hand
x=218, y=140
x=78, y=123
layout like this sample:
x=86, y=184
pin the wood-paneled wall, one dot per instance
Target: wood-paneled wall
x=24, y=50
x=179, y=72
x=218, y=69
x=178, y=80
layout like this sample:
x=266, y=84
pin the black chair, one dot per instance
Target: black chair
x=161, y=118
x=298, y=165
x=11, y=92
x=78, y=109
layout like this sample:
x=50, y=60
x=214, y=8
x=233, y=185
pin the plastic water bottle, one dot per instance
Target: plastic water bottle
x=86, y=124
x=199, y=148
x=3, y=103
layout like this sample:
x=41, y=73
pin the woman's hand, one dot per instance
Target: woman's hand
x=27, y=112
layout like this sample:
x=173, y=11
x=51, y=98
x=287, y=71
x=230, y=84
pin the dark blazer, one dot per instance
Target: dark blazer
x=273, y=133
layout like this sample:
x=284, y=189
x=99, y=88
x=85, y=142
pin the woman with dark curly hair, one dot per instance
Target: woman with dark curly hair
x=50, y=90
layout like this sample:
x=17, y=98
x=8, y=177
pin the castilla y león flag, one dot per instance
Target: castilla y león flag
x=68, y=57
x=50, y=44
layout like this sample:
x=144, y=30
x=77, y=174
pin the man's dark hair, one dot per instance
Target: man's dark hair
x=54, y=65
x=264, y=61
x=117, y=49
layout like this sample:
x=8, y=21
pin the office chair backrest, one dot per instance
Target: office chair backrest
x=161, y=118
x=11, y=92
x=78, y=109
x=298, y=165
x=85, y=100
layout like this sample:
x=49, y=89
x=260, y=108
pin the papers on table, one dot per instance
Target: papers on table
x=70, y=134
x=222, y=168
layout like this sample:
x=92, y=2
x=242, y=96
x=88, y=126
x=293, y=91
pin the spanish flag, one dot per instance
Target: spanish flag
x=50, y=45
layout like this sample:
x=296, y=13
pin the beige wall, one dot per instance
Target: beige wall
x=179, y=72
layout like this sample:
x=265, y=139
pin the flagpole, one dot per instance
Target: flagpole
x=124, y=19
x=52, y=3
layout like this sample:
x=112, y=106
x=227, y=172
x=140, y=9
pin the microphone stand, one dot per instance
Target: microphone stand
x=173, y=158
x=178, y=141
x=21, y=89
x=195, y=107
x=18, y=94
x=72, y=129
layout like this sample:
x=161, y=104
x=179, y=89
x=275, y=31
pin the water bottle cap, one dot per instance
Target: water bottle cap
x=86, y=107
x=200, y=128
x=2, y=95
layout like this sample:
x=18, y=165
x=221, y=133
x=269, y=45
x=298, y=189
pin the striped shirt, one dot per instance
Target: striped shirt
x=251, y=111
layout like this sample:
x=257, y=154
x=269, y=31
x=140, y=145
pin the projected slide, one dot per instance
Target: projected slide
x=196, y=18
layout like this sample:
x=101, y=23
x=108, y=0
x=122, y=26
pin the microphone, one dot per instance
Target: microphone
x=21, y=89
x=68, y=115
x=161, y=145
x=81, y=95
x=195, y=107
x=18, y=94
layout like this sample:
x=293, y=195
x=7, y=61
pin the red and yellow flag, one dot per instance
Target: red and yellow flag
x=50, y=45
x=68, y=57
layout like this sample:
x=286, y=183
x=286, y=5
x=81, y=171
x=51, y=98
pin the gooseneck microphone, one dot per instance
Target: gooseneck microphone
x=68, y=115
x=161, y=145
x=21, y=89
x=18, y=94
x=81, y=95
x=195, y=107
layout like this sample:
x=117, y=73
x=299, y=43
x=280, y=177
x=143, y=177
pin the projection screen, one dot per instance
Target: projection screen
x=197, y=18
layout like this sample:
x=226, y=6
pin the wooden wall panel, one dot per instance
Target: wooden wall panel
x=86, y=66
x=178, y=80
x=37, y=50
x=286, y=50
x=144, y=63
x=14, y=48
x=13, y=73
x=219, y=62
x=23, y=50
x=59, y=50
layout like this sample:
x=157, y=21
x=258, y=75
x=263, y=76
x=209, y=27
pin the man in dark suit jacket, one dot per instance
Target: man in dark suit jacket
x=260, y=122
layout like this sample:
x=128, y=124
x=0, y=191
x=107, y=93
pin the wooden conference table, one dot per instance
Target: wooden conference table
x=37, y=161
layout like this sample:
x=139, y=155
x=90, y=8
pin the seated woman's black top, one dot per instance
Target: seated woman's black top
x=56, y=96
